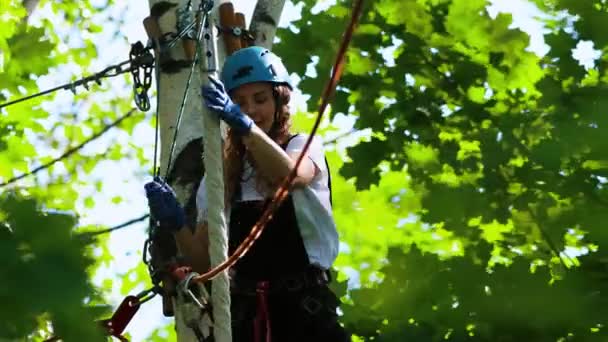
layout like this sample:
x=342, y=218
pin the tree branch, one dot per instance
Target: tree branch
x=71, y=151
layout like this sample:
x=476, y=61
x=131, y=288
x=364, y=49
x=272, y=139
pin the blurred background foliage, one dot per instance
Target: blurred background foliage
x=471, y=209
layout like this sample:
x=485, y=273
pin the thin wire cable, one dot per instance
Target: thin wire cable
x=155, y=170
x=199, y=36
x=111, y=71
x=70, y=151
x=88, y=235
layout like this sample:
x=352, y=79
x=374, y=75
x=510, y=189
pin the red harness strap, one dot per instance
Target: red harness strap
x=262, y=315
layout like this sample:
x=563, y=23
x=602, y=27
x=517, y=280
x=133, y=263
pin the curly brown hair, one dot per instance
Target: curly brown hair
x=235, y=152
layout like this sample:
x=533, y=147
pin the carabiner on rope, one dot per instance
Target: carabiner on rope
x=185, y=285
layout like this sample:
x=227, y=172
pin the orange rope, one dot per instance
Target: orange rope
x=283, y=190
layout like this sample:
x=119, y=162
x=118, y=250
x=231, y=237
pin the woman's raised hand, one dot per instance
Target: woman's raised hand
x=218, y=100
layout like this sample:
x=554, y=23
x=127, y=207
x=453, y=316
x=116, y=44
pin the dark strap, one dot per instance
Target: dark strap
x=310, y=278
x=262, y=315
x=329, y=183
x=284, y=146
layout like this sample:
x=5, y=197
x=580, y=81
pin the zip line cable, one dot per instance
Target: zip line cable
x=111, y=71
x=72, y=150
x=156, y=126
x=91, y=234
x=135, y=62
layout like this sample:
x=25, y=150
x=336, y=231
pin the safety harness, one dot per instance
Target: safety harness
x=264, y=269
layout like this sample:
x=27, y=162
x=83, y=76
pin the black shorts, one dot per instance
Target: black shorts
x=308, y=314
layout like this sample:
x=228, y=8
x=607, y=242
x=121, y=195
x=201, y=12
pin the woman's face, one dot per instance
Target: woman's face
x=257, y=101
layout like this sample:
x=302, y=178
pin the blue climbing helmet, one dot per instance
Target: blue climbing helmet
x=254, y=64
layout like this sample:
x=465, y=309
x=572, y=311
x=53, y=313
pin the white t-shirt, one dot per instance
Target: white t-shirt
x=311, y=203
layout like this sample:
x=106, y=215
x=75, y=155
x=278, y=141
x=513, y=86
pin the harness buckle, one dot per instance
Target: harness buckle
x=311, y=305
x=294, y=283
x=202, y=304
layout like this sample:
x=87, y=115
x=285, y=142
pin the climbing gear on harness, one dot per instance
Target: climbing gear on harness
x=204, y=305
x=309, y=278
x=196, y=306
x=165, y=211
x=254, y=64
x=219, y=101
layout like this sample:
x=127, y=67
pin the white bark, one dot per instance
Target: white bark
x=170, y=96
x=265, y=20
x=170, y=93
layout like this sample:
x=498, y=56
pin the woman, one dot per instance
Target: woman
x=286, y=269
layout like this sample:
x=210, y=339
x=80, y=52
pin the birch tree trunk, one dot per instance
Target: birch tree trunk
x=265, y=20
x=185, y=169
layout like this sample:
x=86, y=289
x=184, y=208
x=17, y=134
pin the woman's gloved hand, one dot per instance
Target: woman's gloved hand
x=165, y=210
x=218, y=100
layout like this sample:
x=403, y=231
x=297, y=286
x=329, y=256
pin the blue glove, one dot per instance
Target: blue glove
x=164, y=208
x=218, y=100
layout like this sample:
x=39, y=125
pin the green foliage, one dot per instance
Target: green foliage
x=423, y=298
x=461, y=213
x=500, y=151
x=44, y=273
x=47, y=274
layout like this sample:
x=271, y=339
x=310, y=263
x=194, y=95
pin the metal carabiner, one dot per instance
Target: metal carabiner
x=186, y=289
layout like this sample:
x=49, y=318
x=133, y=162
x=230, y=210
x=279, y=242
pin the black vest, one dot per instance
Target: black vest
x=278, y=251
